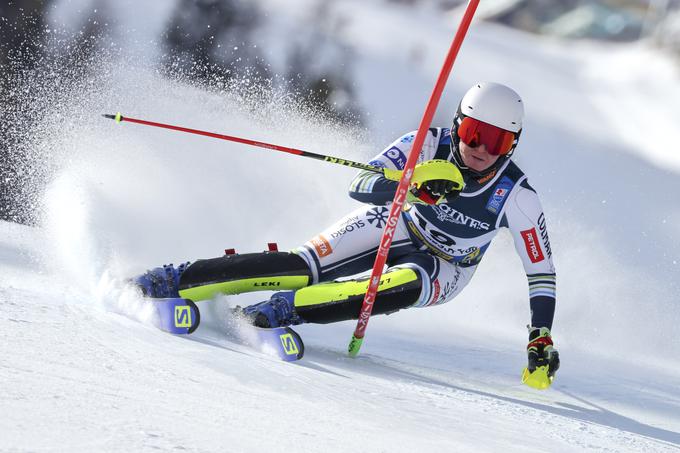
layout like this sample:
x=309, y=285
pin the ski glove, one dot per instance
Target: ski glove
x=541, y=351
x=435, y=191
x=433, y=182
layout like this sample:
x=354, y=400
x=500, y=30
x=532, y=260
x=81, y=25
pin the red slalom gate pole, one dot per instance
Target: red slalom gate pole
x=402, y=188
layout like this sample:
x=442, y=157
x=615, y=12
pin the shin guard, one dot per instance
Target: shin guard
x=339, y=301
x=235, y=274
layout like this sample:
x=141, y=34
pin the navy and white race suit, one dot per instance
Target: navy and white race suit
x=444, y=243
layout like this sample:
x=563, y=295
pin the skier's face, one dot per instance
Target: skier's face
x=477, y=158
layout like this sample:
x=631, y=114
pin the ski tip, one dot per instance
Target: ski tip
x=283, y=342
x=175, y=315
x=354, y=346
x=292, y=348
x=197, y=316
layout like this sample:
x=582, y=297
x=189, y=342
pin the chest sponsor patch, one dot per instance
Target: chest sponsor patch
x=446, y=213
x=499, y=195
x=531, y=243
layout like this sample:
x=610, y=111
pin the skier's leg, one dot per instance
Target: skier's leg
x=414, y=277
x=229, y=274
x=236, y=274
x=348, y=248
x=328, y=302
x=417, y=279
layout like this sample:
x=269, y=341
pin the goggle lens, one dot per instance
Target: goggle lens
x=475, y=133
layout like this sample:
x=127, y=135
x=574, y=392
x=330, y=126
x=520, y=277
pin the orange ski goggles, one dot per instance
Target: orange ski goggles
x=475, y=133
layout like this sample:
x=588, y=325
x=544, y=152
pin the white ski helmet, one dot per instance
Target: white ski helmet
x=491, y=103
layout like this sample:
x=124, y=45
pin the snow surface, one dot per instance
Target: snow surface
x=78, y=372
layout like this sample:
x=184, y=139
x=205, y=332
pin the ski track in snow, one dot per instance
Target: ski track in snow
x=80, y=372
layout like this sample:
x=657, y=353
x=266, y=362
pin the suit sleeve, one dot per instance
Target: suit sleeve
x=374, y=188
x=525, y=219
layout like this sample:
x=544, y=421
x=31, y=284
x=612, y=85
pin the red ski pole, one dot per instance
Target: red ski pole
x=230, y=138
x=402, y=188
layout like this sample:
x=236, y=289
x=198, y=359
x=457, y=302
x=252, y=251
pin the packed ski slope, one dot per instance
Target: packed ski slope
x=78, y=375
x=79, y=372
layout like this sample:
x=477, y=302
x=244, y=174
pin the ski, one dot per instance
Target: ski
x=175, y=315
x=180, y=316
x=283, y=342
